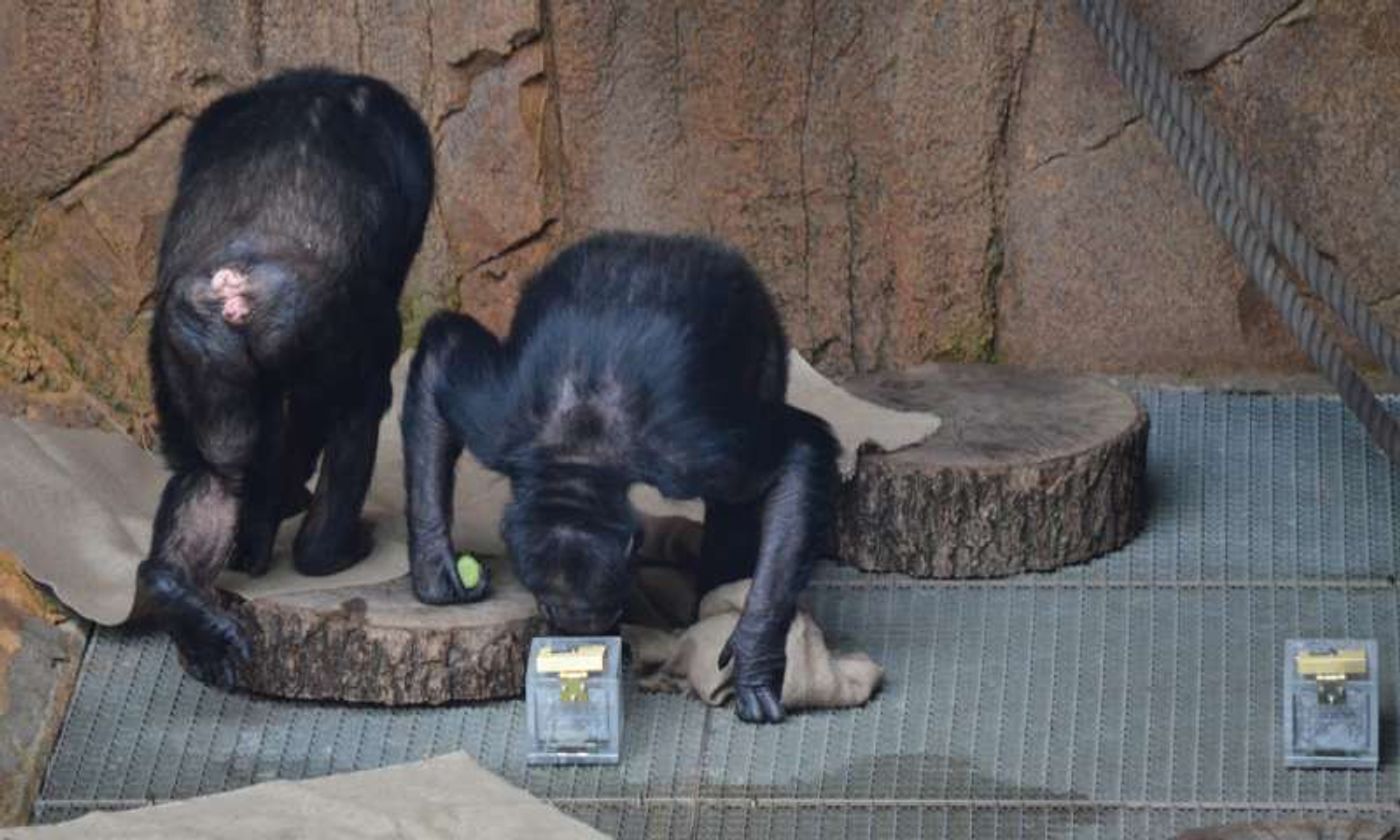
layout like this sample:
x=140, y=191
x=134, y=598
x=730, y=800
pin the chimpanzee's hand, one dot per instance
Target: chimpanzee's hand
x=436, y=580
x=760, y=660
x=214, y=648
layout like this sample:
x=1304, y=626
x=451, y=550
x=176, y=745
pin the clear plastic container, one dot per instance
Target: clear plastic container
x=1331, y=703
x=572, y=709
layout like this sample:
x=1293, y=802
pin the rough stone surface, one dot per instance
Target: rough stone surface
x=1155, y=289
x=466, y=31
x=84, y=267
x=40, y=649
x=85, y=81
x=1112, y=262
x=1029, y=472
x=494, y=150
x=962, y=181
x=1310, y=105
x=850, y=151
x=494, y=199
x=378, y=644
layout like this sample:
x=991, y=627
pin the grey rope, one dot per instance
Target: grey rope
x=1130, y=55
x=1321, y=273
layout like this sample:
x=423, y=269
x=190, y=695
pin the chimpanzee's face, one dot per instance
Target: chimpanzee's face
x=579, y=572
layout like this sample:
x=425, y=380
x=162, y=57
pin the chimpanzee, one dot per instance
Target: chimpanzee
x=300, y=206
x=631, y=359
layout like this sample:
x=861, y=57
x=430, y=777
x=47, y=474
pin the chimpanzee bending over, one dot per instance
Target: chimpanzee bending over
x=300, y=207
x=631, y=359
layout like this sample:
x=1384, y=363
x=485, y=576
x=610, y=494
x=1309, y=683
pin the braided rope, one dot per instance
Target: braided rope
x=1203, y=156
x=1321, y=273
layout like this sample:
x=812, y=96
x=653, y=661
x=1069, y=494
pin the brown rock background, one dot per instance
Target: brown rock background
x=954, y=180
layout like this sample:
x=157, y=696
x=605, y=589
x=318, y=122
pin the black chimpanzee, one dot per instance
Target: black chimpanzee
x=631, y=359
x=301, y=204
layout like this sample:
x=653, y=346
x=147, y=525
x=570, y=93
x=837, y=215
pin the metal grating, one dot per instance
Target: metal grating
x=1131, y=697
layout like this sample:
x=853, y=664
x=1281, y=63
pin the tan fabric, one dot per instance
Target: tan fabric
x=76, y=508
x=76, y=505
x=449, y=797
x=676, y=645
x=855, y=422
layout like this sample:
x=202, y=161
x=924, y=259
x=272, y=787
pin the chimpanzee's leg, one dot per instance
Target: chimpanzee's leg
x=446, y=405
x=729, y=547
x=194, y=530
x=796, y=530
x=260, y=495
x=332, y=537
x=211, y=431
x=302, y=442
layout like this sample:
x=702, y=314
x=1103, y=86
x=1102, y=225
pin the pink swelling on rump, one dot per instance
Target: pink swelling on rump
x=231, y=286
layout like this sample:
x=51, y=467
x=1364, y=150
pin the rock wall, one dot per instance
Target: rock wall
x=947, y=181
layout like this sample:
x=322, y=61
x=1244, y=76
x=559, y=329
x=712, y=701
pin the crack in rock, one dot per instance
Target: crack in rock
x=523, y=242
x=61, y=192
x=1094, y=145
x=1299, y=12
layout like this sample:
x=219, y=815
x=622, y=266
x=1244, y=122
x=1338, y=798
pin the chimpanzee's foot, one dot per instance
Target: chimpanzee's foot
x=295, y=499
x=216, y=651
x=255, y=563
x=316, y=554
x=757, y=649
x=252, y=547
x=436, y=581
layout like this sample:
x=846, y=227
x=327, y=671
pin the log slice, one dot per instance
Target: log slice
x=1030, y=471
x=378, y=644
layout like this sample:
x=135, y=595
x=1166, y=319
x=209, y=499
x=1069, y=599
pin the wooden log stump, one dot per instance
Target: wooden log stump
x=1030, y=471
x=378, y=644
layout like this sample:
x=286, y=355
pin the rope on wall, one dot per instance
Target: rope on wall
x=1240, y=208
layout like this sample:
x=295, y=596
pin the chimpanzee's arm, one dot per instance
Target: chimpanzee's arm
x=449, y=402
x=796, y=529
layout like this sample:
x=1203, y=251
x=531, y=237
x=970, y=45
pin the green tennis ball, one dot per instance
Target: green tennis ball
x=468, y=570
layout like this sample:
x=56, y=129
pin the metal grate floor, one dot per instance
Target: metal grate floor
x=1135, y=696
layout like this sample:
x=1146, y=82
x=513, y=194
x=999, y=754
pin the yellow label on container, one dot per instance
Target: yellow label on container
x=1336, y=663
x=584, y=659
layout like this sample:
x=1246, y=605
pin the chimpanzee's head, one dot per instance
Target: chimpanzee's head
x=573, y=551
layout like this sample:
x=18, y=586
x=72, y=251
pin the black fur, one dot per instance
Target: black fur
x=309, y=192
x=631, y=359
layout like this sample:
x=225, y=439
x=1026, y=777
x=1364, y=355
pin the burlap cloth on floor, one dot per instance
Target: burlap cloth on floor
x=676, y=642
x=449, y=796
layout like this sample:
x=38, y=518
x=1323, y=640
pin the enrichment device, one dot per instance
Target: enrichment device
x=1331, y=703
x=573, y=700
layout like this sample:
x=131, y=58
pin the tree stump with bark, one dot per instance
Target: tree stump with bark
x=1029, y=471
x=378, y=644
